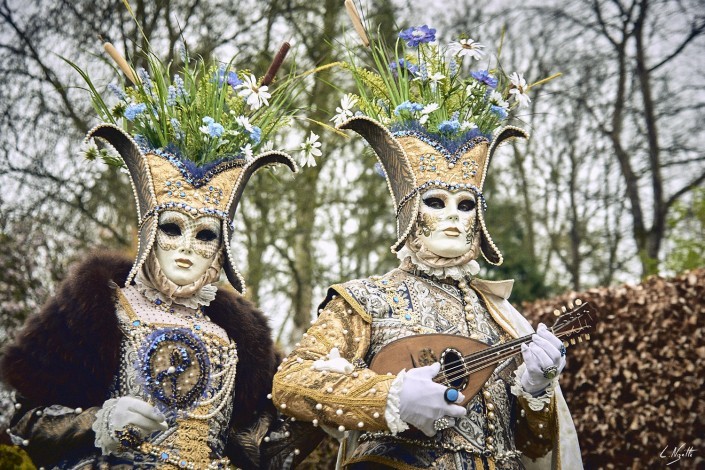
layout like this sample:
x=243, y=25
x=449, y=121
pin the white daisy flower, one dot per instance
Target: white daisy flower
x=519, y=89
x=466, y=47
x=247, y=151
x=467, y=125
x=310, y=149
x=344, y=110
x=244, y=121
x=256, y=96
x=428, y=109
x=435, y=78
x=496, y=99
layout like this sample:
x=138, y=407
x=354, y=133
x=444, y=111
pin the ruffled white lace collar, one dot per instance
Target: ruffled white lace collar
x=458, y=273
x=203, y=297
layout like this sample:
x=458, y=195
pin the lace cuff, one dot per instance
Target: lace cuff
x=104, y=439
x=536, y=403
x=391, y=412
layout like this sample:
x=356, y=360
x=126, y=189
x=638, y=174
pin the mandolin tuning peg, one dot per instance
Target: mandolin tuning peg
x=557, y=312
x=580, y=339
x=566, y=343
x=587, y=336
x=570, y=305
x=564, y=309
x=578, y=302
x=572, y=340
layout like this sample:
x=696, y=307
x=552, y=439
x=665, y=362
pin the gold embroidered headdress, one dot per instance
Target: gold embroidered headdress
x=431, y=120
x=187, y=141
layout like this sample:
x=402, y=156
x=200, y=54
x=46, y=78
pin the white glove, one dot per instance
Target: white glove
x=334, y=363
x=542, y=353
x=421, y=400
x=137, y=412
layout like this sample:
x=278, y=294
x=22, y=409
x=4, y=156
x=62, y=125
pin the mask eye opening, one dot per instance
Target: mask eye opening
x=467, y=205
x=207, y=235
x=170, y=229
x=434, y=202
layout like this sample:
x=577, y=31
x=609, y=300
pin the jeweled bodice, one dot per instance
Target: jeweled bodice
x=403, y=304
x=176, y=359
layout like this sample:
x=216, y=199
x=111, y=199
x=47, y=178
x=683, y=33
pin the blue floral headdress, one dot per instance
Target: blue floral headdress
x=432, y=120
x=188, y=138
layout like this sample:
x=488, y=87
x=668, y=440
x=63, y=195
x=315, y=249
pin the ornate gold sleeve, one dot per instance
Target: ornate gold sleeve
x=536, y=431
x=353, y=401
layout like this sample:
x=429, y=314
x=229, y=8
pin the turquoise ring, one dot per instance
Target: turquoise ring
x=451, y=395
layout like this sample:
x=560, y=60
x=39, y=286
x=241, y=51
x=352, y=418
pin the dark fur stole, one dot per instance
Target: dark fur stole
x=68, y=353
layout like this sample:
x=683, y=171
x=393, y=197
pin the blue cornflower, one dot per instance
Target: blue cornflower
x=255, y=135
x=499, y=111
x=211, y=127
x=449, y=127
x=402, y=64
x=483, y=76
x=233, y=80
x=417, y=35
x=409, y=107
x=171, y=96
x=117, y=91
x=134, y=110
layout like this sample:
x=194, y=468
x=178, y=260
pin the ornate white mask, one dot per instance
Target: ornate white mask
x=447, y=222
x=186, y=246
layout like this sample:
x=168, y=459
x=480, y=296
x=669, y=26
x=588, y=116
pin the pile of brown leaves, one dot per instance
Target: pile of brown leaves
x=636, y=389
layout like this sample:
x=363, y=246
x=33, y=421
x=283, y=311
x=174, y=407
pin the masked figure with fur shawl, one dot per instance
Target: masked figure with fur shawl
x=146, y=363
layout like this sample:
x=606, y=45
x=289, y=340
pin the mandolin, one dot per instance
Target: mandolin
x=466, y=364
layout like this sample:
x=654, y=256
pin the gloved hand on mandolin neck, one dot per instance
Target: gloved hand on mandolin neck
x=421, y=400
x=544, y=357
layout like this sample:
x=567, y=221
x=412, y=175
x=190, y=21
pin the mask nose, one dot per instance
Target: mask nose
x=187, y=242
x=454, y=217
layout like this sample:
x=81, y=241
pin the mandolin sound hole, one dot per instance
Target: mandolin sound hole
x=453, y=369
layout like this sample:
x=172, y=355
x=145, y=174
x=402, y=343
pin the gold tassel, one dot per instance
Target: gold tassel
x=357, y=23
x=121, y=62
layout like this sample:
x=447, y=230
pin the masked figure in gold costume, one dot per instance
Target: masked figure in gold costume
x=434, y=129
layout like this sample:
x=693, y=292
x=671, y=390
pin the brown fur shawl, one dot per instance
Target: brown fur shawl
x=68, y=353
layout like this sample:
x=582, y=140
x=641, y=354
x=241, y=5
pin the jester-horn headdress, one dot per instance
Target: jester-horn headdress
x=431, y=120
x=414, y=161
x=187, y=140
x=162, y=181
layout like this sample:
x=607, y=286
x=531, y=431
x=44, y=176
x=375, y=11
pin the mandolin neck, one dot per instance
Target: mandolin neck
x=491, y=356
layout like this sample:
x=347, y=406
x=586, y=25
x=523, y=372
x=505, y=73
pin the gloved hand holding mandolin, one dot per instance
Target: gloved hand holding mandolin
x=422, y=401
x=544, y=357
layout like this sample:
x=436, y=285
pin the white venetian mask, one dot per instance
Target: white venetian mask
x=447, y=222
x=186, y=246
